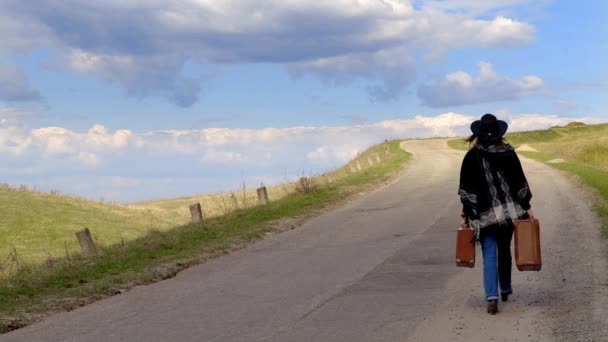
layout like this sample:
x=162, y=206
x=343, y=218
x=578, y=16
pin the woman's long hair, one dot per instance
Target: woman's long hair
x=474, y=141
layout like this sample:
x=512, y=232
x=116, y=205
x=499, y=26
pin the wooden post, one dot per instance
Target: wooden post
x=196, y=212
x=235, y=202
x=262, y=196
x=87, y=245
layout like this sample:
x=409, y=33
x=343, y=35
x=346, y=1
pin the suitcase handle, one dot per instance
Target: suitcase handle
x=530, y=214
x=467, y=227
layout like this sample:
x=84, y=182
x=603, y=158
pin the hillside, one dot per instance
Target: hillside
x=220, y=204
x=28, y=293
x=40, y=225
x=36, y=224
x=586, y=144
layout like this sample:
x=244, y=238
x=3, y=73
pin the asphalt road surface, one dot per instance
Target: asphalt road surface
x=381, y=268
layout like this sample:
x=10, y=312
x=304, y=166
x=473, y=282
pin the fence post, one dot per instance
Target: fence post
x=262, y=196
x=87, y=245
x=235, y=202
x=196, y=212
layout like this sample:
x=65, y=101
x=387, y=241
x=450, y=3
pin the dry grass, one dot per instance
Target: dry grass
x=41, y=226
x=592, y=151
x=576, y=142
x=214, y=205
x=32, y=291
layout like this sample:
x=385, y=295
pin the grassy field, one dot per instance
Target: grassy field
x=587, y=144
x=583, y=150
x=214, y=205
x=39, y=226
x=74, y=281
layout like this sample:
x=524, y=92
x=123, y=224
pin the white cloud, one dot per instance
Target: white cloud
x=14, y=140
x=213, y=156
x=227, y=145
x=447, y=124
x=501, y=32
x=528, y=122
x=217, y=159
x=98, y=136
x=88, y=158
x=144, y=45
x=333, y=154
x=460, y=88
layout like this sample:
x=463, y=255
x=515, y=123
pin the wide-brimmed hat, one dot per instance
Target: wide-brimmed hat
x=489, y=128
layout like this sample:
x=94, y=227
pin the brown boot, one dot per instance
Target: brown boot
x=493, y=306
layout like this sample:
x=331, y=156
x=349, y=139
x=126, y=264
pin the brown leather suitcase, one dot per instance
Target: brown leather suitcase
x=527, y=245
x=465, y=247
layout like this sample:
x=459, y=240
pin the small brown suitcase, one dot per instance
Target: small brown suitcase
x=465, y=247
x=527, y=245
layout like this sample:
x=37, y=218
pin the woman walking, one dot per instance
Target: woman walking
x=494, y=193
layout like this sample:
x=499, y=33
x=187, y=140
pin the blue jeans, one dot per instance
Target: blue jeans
x=496, y=250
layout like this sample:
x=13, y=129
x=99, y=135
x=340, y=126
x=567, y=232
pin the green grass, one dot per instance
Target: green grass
x=584, y=149
x=161, y=254
x=41, y=225
x=37, y=224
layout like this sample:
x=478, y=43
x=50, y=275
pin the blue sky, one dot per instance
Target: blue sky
x=130, y=101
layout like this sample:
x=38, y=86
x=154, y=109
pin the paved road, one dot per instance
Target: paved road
x=378, y=269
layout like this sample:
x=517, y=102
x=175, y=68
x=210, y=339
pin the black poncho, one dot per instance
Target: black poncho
x=493, y=188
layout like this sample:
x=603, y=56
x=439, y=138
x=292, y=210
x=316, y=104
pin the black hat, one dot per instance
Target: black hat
x=489, y=128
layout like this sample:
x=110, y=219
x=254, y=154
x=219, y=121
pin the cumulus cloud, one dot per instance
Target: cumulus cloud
x=237, y=146
x=14, y=139
x=528, y=122
x=460, y=88
x=144, y=45
x=88, y=158
x=215, y=158
x=140, y=75
x=330, y=154
x=393, y=70
x=14, y=85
